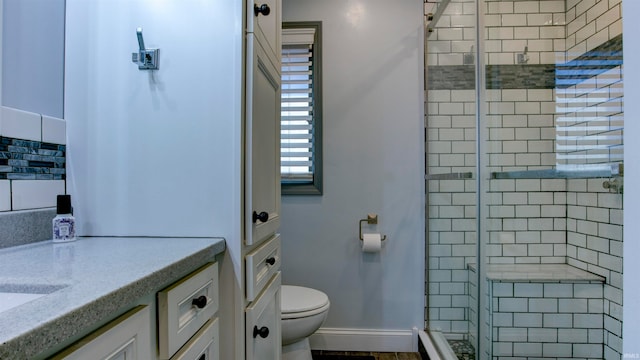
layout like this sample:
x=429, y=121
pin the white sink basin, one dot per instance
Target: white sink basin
x=12, y=295
x=10, y=300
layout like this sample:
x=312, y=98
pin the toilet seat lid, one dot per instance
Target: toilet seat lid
x=296, y=299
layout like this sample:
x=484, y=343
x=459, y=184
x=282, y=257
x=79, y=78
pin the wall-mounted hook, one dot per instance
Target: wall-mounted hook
x=147, y=59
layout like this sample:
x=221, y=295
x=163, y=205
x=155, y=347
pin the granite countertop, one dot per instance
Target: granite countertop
x=86, y=282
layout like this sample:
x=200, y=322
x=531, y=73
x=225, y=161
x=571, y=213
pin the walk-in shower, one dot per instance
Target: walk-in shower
x=524, y=127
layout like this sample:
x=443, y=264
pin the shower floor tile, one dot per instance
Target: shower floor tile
x=463, y=349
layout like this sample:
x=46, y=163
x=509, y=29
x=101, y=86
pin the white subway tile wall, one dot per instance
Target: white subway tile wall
x=452, y=236
x=21, y=124
x=594, y=243
x=454, y=34
x=54, y=130
x=19, y=194
x=524, y=32
x=590, y=23
x=546, y=320
x=5, y=195
x=35, y=194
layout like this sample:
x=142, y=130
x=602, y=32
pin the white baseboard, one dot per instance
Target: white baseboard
x=341, y=339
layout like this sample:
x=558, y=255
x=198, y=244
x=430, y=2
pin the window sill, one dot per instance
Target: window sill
x=301, y=189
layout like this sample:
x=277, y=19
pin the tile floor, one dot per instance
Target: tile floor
x=351, y=355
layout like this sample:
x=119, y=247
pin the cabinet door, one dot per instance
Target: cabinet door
x=263, y=144
x=263, y=338
x=128, y=337
x=266, y=25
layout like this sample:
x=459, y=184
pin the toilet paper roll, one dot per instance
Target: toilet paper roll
x=371, y=243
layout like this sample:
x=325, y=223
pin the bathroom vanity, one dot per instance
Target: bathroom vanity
x=100, y=296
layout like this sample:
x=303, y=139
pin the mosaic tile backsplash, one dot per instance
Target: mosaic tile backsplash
x=31, y=160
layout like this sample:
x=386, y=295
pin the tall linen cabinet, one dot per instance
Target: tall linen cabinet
x=262, y=180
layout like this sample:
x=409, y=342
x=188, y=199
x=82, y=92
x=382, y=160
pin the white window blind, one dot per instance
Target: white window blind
x=297, y=106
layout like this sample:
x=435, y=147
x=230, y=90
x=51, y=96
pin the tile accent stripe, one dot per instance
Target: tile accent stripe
x=462, y=77
x=534, y=76
x=452, y=77
x=31, y=160
x=539, y=76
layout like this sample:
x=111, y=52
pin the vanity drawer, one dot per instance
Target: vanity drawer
x=184, y=307
x=204, y=345
x=261, y=264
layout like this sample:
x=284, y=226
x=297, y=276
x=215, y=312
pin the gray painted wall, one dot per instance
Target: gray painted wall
x=373, y=163
x=33, y=55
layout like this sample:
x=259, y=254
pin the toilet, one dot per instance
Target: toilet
x=303, y=312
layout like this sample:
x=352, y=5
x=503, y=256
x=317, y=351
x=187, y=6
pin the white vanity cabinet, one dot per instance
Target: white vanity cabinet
x=127, y=337
x=187, y=325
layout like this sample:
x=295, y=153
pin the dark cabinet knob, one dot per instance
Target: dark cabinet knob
x=263, y=9
x=203, y=357
x=263, y=216
x=199, y=302
x=263, y=332
x=271, y=261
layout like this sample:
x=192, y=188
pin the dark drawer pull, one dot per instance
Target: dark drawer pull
x=199, y=302
x=203, y=357
x=271, y=260
x=263, y=9
x=262, y=216
x=263, y=332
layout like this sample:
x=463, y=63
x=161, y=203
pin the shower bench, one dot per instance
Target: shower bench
x=548, y=311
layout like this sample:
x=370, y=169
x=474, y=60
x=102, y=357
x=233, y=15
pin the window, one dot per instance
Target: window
x=301, y=110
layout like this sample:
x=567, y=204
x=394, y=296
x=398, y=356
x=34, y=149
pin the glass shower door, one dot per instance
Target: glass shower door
x=450, y=82
x=550, y=200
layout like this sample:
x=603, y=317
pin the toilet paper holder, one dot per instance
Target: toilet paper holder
x=371, y=219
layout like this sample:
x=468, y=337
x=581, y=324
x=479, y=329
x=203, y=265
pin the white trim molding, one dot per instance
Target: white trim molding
x=343, y=339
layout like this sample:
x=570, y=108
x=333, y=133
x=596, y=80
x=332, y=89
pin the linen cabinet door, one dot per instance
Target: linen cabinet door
x=263, y=145
x=266, y=23
x=263, y=337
